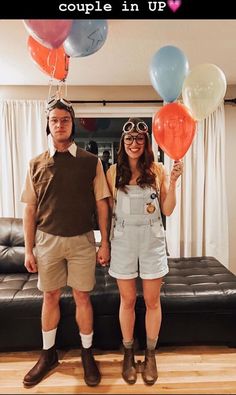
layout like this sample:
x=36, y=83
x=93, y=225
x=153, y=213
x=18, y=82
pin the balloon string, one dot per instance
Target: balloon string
x=51, y=63
x=50, y=89
x=61, y=84
x=66, y=62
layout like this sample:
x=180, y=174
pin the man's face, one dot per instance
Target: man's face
x=60, y=125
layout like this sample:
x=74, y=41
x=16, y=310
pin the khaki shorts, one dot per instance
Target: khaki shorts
x=65, y=261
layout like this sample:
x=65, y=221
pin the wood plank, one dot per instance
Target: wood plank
x=182, y=370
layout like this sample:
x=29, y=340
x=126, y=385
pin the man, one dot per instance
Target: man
x=105, y=160
x=63, y=186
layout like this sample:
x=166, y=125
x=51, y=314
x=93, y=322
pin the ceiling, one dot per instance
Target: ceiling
x=126, y=54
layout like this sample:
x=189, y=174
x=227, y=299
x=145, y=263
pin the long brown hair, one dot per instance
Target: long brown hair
x=123, y=174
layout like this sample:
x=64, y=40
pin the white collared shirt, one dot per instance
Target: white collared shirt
x=52, y=150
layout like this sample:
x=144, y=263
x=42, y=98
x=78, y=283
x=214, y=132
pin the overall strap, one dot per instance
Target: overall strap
x=157, y=169
x=114, y=195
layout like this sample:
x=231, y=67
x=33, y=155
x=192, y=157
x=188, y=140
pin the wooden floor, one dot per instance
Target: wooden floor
x=182, y=370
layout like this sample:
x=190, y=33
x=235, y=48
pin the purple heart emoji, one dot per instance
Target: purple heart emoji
x=174, y=4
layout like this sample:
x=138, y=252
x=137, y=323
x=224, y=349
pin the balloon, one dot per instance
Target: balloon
x=174, y=129
x=53, y=62
x=49, y=32
x=168, y=69
x=90, y=124
x=203, y=90
x=103, y=123
x=86, y=37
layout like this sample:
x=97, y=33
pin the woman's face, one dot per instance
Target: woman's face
x=134, y=144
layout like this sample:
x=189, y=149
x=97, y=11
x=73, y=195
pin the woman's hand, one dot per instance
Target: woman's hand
x=103, y=254
x=176, y=171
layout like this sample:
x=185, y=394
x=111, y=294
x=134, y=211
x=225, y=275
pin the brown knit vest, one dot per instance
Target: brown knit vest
x=65, y=193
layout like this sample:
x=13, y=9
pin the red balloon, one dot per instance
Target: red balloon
x=90, y=124
x=53, y=62
x=49, y=32
x=174, y=129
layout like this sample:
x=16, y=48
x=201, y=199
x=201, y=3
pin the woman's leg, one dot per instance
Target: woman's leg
x=127, y=290
x=151, y=293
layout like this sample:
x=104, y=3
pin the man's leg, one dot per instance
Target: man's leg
x=48, y=358
x=84, y=319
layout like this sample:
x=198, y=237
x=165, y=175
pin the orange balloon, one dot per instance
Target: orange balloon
x=53, y=62
x=174, y=129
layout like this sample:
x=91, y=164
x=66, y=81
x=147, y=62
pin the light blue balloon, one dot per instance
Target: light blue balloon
x=86, y=37
x=168, y=69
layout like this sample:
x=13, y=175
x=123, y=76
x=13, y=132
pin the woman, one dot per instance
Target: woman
x=140, y=191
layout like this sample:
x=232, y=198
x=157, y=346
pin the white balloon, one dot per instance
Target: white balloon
x=203, y=90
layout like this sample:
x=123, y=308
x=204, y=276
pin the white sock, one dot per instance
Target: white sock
x=49, y=338
x=86, y=340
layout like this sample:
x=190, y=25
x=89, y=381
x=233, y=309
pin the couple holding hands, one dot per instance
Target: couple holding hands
x=63, y=187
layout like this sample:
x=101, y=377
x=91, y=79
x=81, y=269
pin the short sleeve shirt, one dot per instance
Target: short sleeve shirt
x=101, y=190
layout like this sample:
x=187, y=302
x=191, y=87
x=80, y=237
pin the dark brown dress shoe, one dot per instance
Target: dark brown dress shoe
x=149, y=372
x=47, y=361
x=92, y=376
x=129, y=372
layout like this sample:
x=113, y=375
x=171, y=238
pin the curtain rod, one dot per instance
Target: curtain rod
x=104, y=102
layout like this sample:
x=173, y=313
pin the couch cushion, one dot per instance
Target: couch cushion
x=197, y=284
x=11, y=246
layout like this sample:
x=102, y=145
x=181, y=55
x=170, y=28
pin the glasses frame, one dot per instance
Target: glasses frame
x=134, y=138
x=62, y=121
x=135, y=126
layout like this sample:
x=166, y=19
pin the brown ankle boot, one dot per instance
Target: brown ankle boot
x=47, y=361
x=92, y=376
x=129, y=373
x=149, y=373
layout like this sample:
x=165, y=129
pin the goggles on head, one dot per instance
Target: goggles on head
x=54, y=100
x=140, y=127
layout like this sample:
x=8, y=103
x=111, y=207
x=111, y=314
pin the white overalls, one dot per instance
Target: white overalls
x=138, y=246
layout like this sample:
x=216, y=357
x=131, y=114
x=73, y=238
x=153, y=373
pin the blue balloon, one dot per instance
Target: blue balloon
x=103, y=123
x=86, y=37
x=168, y=69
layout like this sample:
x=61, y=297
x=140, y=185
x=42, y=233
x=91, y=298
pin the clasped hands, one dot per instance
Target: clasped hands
x=103, y=254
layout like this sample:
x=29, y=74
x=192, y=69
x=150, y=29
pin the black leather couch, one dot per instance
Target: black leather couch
x=198, y=300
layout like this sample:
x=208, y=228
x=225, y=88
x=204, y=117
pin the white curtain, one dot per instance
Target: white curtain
x=22, y=136
x=199, y=223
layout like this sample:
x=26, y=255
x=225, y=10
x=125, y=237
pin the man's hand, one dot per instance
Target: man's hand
x=103, y=254
x=30, y=263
